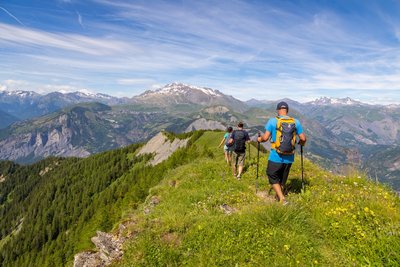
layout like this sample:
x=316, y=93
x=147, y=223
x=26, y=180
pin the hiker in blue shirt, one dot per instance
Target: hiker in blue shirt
x=228, y=148
x=281, y=156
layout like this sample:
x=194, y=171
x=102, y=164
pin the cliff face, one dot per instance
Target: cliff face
x=54, y=142
x=161, y=147
x=58, y=134
x=203, y=124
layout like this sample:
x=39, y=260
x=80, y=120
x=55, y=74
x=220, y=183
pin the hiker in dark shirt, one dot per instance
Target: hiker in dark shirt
x=239, y=138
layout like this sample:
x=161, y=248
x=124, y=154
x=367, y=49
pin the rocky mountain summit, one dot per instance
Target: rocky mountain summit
x=180, y=93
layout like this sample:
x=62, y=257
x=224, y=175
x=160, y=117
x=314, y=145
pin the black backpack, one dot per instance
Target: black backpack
x=227, y=141
x=240, y=141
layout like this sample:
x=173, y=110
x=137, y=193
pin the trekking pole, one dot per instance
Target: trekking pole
x=258, y=160
x=249, y=152
x=302, y=169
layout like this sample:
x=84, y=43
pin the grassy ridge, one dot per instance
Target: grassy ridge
x=205, y=217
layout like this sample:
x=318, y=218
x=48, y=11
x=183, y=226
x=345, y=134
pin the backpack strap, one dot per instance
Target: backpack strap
x=277, y=128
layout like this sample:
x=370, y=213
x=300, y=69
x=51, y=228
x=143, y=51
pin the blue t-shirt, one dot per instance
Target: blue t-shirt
x=274, y=156
x=226, y=136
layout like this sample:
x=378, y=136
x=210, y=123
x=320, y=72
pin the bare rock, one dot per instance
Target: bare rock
x=110, y=247
x=172, y=183
x=88, y=259
x=227, y=209
x=126, y=230
x=44, y=171
x=216, y=110
x=203, y=124
x=154, y=201
x=161, y=147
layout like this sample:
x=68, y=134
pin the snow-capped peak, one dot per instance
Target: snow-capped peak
x=89, y=94
x=335, y=101
x=181, y=88
x=19, y=93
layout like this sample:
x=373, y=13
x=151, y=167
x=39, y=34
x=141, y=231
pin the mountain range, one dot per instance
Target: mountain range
x=341, y=132
x=27, y=104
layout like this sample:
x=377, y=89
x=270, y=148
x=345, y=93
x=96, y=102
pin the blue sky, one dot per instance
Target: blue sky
x=248, y=49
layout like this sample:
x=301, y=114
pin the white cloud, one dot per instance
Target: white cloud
x=70, y=42
x=244, y=50
x=12, y=85
x=80, y=21
x=134, y=81
x=397, y=33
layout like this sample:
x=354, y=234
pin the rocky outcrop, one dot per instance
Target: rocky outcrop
x=86, y=259
x=109, y=249
x=55, y=142
x=161, y=147
x=203, y=124
x=109, y=246
x=216, y=110
x=2, y=178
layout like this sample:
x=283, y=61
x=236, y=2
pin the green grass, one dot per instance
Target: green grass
x=337, y=221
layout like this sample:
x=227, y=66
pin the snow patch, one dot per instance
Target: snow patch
x=335, y=101
x=19, y=93
x=181, y=88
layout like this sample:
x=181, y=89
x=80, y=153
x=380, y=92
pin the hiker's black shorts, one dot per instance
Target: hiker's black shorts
x=278, y=172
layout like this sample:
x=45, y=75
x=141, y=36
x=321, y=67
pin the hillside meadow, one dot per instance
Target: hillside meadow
x=190, y=211
x=206, y=217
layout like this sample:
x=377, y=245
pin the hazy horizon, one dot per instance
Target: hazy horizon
x=154, y=89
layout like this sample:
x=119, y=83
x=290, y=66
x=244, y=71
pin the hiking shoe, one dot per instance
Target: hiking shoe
x=284, y=203
x=238, y=176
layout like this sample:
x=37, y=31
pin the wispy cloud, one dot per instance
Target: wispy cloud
x=11, y=15
x=134, y=81
x=80, y=21
x=243, y=48
x=70, y=42
x=13, y=85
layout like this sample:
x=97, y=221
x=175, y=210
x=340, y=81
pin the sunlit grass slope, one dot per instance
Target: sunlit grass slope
x=200, y=215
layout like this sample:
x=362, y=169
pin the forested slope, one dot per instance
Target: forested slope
x=49, y=210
